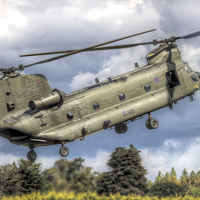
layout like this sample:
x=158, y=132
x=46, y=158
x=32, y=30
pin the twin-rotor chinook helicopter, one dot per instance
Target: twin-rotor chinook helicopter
x=33, y=115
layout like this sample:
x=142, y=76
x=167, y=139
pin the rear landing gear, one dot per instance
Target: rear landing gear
x=121, y=128
x=31, y=155
x=64, y=151
x=152, y=123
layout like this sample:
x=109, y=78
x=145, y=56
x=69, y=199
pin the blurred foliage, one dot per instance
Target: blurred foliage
x=71, y=176
x=127, y=175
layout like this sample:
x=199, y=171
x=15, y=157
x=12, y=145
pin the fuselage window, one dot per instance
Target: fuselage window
x=96, y=106
x=147, y=87
x=194, y=78
x=122, y=97
x=172, y=79
x=69, y=116
x=189, y=69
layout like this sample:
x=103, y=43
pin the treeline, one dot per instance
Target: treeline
x=170, y=185
x=126, y=177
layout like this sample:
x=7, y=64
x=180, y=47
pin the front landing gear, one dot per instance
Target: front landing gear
x=64, y=151
x=31, y=155
x=152, y=123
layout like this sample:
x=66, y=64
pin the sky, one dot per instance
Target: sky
x=48, y=25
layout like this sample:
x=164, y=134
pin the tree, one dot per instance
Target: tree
x=197, y=181
x=127, y=175
x=83, y=181
x=160, y=177
x=31, y=178
x=71, y=176
x=167, y=177
x=193, y=178
x=9, y=180
x=173, y=172
x=185, y=179
x=173, y=176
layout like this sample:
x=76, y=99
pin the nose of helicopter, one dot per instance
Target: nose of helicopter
x=198, y=74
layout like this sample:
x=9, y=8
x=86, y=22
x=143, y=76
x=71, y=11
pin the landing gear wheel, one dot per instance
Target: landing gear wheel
x=148, y=125
x=118, y=129
x=31, y=155
x=122, y=128
x=64, y=151
x=153, y=123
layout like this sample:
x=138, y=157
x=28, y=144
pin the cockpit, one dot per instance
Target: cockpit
x=192, y=74
x=198, y=74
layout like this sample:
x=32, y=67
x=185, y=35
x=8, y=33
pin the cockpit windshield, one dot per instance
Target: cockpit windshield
x=198, y=74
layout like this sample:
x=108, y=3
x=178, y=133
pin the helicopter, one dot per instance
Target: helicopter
x=34, y=115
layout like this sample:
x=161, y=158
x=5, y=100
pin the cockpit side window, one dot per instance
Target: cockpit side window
x=194, y=78
x=172, y=79
x=188, y=70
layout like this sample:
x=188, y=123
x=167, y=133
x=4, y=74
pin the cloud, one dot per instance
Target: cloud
x=173, y=153
x=54, y=27
x=174, y=19
x=8, y=158
x=98, y=163
x=115, y=65
x=47, y=162
x=191, y=54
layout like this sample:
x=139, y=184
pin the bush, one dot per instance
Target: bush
x=167, y=189
x=195, y=192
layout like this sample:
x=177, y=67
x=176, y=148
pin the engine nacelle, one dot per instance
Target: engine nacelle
x=55, y=98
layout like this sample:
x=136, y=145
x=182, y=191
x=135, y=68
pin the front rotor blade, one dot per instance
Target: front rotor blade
x=94, y=49
x=191, y=35
x=87, y=48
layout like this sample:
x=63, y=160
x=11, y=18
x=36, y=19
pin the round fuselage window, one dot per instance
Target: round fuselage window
x=122, y=97
x=147, y=87
x=96, y=106
x=69, y=116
